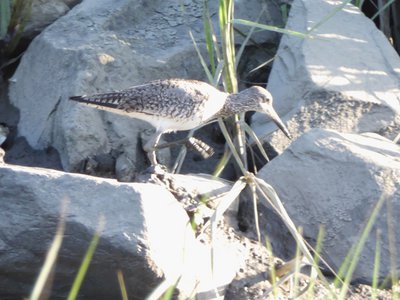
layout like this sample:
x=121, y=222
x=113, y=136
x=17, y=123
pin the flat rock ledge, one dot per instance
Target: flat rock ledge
x=147, y=235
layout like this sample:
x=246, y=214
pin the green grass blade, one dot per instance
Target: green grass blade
x=392, y=245
x=273, y=278
x=164, y=290
x=359, y=4
x=271, y=28
x=256, y=221
x=122, y=286
x=246, y=40
x=317, y=252
x=169, y=293
x=270, y=195
x=250, y=132
x=387, y=4
x=263, y=64
x=222, y=163
x=231, y=146
x=284, y=12
x=5, y=16
x=51, y=256
x=86, y=262
x=297, y=265
x=375, y=276
x=330, y=15
x=396, y=139
x=202, y=61
x=230, y=43
x=20, y=15
x=222, y=13
x=228, y=46
x=208, y=36
x=227, y=200
x=351, y=260
x=218, y=73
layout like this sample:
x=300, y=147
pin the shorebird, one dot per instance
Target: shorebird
x=180, y=104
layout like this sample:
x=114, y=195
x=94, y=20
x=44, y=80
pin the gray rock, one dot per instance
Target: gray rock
x=263, y=12
x=146, y=235
x=347, y=77
x=101, y=46
x=4, y=131
x=45, y=12
x=124, y=169
x=334, y=180
x=2, y=153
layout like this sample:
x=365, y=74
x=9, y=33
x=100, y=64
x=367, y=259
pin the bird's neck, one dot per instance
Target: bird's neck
x=235, y=104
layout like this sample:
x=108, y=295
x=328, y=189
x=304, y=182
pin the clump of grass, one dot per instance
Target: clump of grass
x=43, y=284
x=386, y=14
x=259, y=187
x=73, y=294
x=14, y=14
x=224, y=54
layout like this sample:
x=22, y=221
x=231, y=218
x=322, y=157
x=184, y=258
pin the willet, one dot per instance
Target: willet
x=181, y=104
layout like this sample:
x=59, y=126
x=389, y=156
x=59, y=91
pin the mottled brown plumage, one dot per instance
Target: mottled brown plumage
x=180, y=104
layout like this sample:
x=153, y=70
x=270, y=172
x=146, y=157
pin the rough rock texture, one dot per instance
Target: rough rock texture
x=1, y=156
x=347, y=77
x=4, y=131
x=45, y=12
x=100, y=46
x=146, y=235
x=335, y=180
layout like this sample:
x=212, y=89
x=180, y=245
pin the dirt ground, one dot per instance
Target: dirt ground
x=254, y=281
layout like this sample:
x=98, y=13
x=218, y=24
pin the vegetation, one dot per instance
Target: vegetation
x=386, y=15
x=14, y=15
x=222, y=64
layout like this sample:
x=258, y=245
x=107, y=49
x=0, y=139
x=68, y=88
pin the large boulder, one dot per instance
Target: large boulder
x=331, y=179
x=147, y=235
x=44, y=12
x=346, y=77
x=100, y=46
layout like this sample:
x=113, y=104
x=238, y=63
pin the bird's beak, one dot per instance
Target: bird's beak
x=270, y=111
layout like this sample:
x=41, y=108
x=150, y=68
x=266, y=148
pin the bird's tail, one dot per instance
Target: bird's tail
x=108, y=100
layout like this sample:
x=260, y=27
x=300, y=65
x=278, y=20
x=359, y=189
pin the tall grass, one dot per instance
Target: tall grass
x=14, y=14
x=5, y=16
x=229, y=79
x=386, y=16
x=73, y=294
x=350, y=262
x=42, y=287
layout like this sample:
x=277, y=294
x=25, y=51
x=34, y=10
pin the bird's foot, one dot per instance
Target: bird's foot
x=152, y=173
x=156, y=169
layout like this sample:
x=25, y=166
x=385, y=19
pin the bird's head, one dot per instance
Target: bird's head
x=262, y=101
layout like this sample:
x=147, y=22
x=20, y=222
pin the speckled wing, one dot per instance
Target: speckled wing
x=173, y=98
x=188, y=103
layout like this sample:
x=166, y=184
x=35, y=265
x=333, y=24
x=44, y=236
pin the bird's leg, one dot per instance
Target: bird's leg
x=193, y=143
x=174, y=143
x=151, y=146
